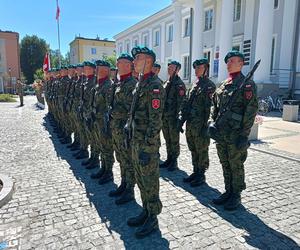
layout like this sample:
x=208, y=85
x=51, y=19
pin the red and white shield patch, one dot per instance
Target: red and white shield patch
x=248, y=95
x=155, y=103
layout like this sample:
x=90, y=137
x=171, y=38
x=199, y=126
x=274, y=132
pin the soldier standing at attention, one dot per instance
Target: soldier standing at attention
x=175, y=94
x=156, y=69
x=143, y=126
x=120, y=107
x=195, y=111
x=233, y=111
x=20, y=91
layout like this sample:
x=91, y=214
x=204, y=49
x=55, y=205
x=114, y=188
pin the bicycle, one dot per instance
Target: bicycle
x=267, y=104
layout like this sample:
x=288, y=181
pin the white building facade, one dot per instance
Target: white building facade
x=191, y=29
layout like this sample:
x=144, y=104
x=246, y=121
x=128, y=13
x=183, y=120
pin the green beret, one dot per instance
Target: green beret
x=175, y=63
x=58, y=69
x=90, y=64
x=113, y=68
x=200, y=62
x=156, y=65
x=234, y=53
x=72, y=66
x=79, y=65
x=102, y=63
x=63, y=67
x=143, y=50
x=125, y=56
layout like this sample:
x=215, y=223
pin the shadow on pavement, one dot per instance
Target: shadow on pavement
x=114, y=217
x=259, y=235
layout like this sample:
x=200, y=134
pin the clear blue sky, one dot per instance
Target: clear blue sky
x=88, y=18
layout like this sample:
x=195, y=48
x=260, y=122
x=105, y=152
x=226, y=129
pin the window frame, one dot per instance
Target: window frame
x=186, y=72
x=209, y=8
x=235, y=11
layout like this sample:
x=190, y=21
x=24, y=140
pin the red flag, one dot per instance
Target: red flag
x=46, y=65
x=57, y=11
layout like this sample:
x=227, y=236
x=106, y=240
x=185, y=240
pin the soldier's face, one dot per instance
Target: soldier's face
x=199, y=70
x=124, y=66
x=113, y=74
x=143, y=62
x=102, y=71
x=71, y=72
x=156, y=70
x=172, y=69
x=88, y=70
x=234, y=64
x=79, y=70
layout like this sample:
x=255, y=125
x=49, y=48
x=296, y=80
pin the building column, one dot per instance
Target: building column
x=198, y=30
x=176, y=48
x=150, y=38
x=264, y=41
x=226, y=32
x=287, y=38
x=162, y=42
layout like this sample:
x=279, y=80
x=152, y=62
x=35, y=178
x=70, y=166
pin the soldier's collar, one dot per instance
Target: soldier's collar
x=232, y=77
x=148, y=75
x=124, y=77
x=89, y=77
x=102, y=80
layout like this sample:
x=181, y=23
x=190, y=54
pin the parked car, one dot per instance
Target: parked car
x=28, y=90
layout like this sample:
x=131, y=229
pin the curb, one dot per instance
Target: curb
x=7, y=190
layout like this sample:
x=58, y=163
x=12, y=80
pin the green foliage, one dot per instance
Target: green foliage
x=111, y=59
x=54, y=57
x=7, y=98
x=39, y=74
x=32, y=52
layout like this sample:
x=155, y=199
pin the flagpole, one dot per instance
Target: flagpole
x=58, y=35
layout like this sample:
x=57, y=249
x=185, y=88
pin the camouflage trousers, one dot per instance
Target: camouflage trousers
x=198, y=145
x=74, y=125
x=21, y=99
x=123, y=155
x=171, y=135
x=104, y=144
x=232, y=161
x=147, y=175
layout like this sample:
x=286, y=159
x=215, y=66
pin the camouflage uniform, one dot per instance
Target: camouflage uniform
x=175, y=94
x=120, y=108
x=234, y=130
x=101, y=137
x=196, y=127
x=20, y=92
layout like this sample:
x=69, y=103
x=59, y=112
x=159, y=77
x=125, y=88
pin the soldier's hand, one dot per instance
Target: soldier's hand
x=242, y=142
x=212, y=131
x=179, y=125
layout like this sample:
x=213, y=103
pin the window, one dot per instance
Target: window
x=145, y=40
x=127, y=47
x=237, y=10
x=186, y=67
x=276, y=4
x=93, y=51
x=273, y=53
x=120, y=49
x=236, y=47
x=170, y=33
x=207, y=55
x=135, y=42
x=208, y=19
x=187, y=27
x=156, y=38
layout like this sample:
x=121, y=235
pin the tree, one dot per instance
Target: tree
x=111, y=59
x=39, y=74
x=54, y=57
x=32, y=52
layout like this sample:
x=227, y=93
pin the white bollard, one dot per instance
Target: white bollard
x=290, y=113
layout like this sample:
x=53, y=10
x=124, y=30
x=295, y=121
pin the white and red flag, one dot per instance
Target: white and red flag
x=46, y=64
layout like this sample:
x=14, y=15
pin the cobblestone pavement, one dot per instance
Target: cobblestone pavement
x=57, y=206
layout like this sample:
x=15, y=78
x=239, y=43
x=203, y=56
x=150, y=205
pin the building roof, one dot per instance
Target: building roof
x=167, y=10
x=92, y=39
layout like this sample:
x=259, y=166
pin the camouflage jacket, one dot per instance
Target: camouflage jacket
x=240, y=118
x=20, y=88
x=197, y=112
x=122, y=102
x=77, y=92
x=87, y=94
x=175, y=94
x=147, y=120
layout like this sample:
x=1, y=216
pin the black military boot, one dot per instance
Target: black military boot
x=223, y=198
x=77, y=153
x=99, y=173
x=83, y=154
x=233, y=202
x=166, y=163
x=173, y=165
x=75, y=147
x=119, y=190
x=66, y=140
x=106, y=177
x=150, y=225
x=189, y=178
x=138, y=220
x=94, y=163
x=127, y=196
x=75, y=143
x=199, y=179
